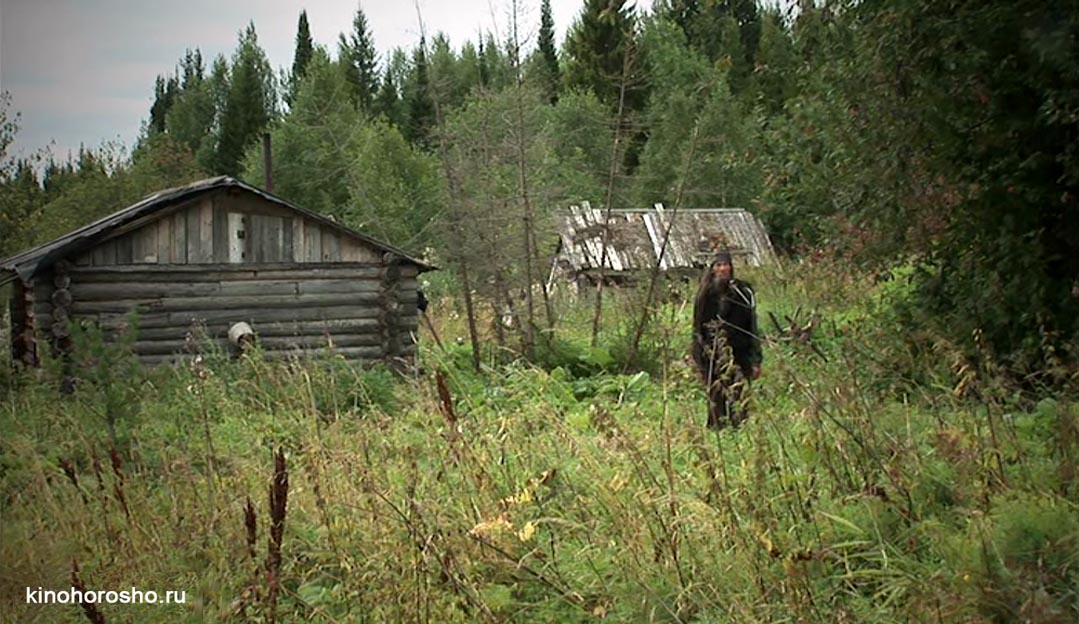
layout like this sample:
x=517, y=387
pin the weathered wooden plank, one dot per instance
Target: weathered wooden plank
x=315, y=341
x=312, y=242
x=142, y=221
x=212, y=272
x=178, y=246
x=258, y=238
x=193, y=241
x=259, y=287
x=221, y=233
x=252, y=238
x=331, y=246
x=316, y=328
x=287, y=240
x=237, y=235
x=359, y=353
x=236, y=200
x=102, y=275
x=298, y=245
x=317, y=286
x=105, y=291
x=105, y=254
x=144, y=245
x=125, y=248
x=183, y=320
x=272, y=239
x=206, y=231
x=164, y=239
x=169, y=304
x=254, y=317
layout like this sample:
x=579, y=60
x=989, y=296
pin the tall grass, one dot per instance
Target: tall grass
x=874, y=482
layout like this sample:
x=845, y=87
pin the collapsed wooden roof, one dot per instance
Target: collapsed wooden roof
x=637, y=238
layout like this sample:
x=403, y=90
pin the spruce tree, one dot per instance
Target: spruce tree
x=548, y=56
x=249, y=105
x=496, y=64
x=468, y=68
x=421, y=109
x=192, y=69
x=443, y=70
x=388, y=102
x=191, y=118
x=165, y=91
x=483, y=70
x=348, y=69
x=772, y=80
x=602, y=53
x=360, y=63
x=302, y=56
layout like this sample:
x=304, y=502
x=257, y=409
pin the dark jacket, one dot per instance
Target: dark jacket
x=733, y=313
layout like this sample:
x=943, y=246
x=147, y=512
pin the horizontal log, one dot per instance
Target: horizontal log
x=258, y=287
x=211, y=318
x=259, y=316
x=277, y=343
x=105, y=291
x=307, y=328
x=216, y=272
x=361, y=355
x=260, y=302
x=315, y=342
x=162, y=351
x=348, y=286
x=365, y=353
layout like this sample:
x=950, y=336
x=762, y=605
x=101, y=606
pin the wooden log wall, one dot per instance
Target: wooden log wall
x=291, y=307
x=23, y=342
x=389, y=309
x=227, y=227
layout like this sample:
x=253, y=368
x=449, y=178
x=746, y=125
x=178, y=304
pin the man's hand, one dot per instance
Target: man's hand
x=756, y=372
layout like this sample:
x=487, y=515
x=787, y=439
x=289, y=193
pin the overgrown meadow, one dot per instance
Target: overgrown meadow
x=881, y=477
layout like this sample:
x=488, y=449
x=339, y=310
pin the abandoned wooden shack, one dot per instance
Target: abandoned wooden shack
x=681, y=241
x=217, y=253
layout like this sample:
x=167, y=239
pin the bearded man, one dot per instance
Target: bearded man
x=726, y=344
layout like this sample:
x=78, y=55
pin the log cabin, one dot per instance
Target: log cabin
x=217, y=254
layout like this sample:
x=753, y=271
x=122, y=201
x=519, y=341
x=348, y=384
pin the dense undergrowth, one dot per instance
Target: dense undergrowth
x=881, y=478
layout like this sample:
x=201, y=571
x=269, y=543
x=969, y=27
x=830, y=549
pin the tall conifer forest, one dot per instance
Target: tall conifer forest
x=912, y=453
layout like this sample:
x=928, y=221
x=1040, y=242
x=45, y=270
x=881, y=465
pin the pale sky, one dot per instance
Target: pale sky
x=82, y=71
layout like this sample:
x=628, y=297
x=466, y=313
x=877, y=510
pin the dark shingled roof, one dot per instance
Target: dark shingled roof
x=27, y=263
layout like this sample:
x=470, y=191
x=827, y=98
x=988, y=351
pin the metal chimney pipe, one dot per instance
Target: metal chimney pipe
x=267, y=161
